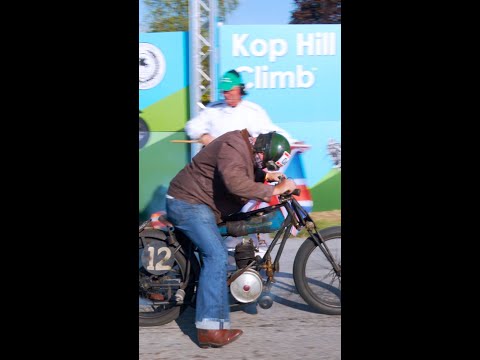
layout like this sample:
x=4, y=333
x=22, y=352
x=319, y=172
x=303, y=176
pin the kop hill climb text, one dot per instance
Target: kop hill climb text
x=306, y=45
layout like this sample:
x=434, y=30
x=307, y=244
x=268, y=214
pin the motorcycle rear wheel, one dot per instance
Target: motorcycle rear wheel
x=157, y=292
x=314, y=276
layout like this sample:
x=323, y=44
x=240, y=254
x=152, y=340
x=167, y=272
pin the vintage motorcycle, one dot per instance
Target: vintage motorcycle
x=169, y=264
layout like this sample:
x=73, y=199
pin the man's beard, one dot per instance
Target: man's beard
x=258, y=161
x=256, y=156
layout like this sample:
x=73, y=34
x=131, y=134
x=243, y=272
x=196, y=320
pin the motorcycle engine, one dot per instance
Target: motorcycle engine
x=244, y=253
x=247, y=287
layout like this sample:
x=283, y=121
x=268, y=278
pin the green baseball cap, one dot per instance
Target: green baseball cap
x=229, y=80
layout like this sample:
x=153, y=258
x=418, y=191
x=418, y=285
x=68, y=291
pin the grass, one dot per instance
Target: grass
x=323, y=219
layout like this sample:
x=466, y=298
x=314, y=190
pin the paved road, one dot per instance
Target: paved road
x=290, y=329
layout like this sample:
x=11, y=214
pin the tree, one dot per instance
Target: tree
x=172, y=15
x=317, y=12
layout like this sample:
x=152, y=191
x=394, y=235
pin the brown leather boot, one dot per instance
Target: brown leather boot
x=217, y=338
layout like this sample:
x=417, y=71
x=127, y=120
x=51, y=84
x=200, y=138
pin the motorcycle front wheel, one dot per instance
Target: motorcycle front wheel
x=314, y=275
x=162, y=275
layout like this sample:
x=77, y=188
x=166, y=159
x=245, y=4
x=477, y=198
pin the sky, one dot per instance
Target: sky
x=252, y=12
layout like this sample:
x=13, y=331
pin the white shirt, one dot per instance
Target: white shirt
x=221, y=118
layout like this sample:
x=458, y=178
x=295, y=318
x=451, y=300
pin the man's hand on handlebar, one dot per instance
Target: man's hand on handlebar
x=285, y=186
x=274, y=176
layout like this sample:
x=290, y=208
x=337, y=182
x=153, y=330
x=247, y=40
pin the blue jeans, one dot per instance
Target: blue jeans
x=197, y=221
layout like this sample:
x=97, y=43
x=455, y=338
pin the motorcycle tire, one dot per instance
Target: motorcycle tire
x=314, y=276
x=163, y=314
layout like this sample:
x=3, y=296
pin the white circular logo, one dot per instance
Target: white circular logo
x=151, y=67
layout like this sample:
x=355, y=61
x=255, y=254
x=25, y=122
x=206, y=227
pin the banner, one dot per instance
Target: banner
x=163, y=112
x=294, y=72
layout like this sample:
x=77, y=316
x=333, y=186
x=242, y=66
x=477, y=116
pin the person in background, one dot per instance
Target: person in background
x=218, y=181
x=232, y=114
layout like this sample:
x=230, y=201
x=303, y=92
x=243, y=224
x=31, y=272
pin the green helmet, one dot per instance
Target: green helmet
x=275, y=149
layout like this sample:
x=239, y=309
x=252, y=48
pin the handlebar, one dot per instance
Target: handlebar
x=287, y=194
x=296, y=192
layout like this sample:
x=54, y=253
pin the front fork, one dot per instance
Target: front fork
x=309, y=224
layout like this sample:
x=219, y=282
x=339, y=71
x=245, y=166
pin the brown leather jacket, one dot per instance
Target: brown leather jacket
x=223, y=176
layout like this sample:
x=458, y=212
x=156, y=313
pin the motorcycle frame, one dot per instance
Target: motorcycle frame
x=296, y=217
